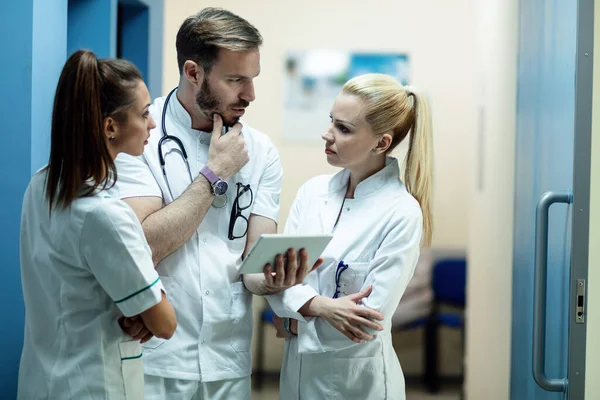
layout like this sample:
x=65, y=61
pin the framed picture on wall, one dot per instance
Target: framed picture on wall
x=313, y=78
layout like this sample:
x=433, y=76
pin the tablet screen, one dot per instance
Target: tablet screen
x=268, y=246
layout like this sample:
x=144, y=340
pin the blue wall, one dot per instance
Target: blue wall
x=14, y=174
x=155, y=51
x=93, y=26
x=36, y=43
x=133, y=33
x=143, y=16
x=32, y=58
x=48, y=55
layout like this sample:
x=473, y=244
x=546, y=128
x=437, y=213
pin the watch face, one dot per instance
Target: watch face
x=220, y=187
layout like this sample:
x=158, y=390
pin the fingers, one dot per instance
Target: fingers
x=353, y=331
x=143, y=333
x=268, y=272
x=369, y=313
x=227, y=153
x=139, y=331
x=367, y=291
x=146, y=338
x=133, y=327
x=279, y=270
x=355, y=334
x=280, y=330
x=363, y=311
x=360, y=336
x=282, y=334
x=217, y=126
x=291, y=268
x=303, y=267
x=235, y=129
x=317, y=264
x=356, y=297
x=367, y=323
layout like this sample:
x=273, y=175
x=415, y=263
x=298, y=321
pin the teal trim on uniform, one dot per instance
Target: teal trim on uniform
x=138, y=292
x=131, y=358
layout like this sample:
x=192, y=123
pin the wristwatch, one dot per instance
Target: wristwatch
x=218, y=185
x=287, y=325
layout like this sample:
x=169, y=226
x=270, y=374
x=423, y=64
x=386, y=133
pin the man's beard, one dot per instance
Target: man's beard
x=205, y=99
x=209, y=104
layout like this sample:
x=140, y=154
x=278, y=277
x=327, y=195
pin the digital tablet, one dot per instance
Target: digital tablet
x=269, y=245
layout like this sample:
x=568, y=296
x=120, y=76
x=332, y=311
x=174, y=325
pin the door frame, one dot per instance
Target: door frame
x=581, y=195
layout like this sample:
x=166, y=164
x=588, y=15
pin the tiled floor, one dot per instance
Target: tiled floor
x=270, y=392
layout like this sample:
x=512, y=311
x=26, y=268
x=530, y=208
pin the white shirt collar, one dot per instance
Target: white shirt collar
x=369, y=185
x=180, y=114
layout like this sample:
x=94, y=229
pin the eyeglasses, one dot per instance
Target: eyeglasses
x=338, y=276
x=239, y=204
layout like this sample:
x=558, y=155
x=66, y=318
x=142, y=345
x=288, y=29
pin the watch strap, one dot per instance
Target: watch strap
x=209, y=175
x=287, y=325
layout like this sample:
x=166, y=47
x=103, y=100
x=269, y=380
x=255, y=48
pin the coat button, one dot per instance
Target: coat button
x=207, y=292
x=204, y=240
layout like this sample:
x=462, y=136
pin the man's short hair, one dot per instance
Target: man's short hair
x=202, y=35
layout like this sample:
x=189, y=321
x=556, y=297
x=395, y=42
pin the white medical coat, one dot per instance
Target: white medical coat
x=378, y=236
x=81, y=270
x=214, y=308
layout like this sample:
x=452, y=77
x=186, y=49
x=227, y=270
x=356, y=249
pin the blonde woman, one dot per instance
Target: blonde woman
x=337, y=324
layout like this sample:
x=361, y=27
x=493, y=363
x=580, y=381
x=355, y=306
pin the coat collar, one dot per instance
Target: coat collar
x=339, y=182
x=178, y=112
x=335, y=199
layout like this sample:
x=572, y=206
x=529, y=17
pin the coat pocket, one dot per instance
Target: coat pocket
x=350, y=280
x=132, y=368
x=241, y=317
x=360, y=378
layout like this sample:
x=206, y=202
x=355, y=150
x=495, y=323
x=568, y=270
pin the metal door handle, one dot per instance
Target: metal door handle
x=539, y=290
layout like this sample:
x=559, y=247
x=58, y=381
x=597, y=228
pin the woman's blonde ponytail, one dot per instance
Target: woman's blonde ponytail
x=390, y=106
x=418, y=165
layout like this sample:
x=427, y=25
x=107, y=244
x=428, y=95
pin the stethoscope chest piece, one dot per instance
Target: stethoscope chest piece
x=220, y=201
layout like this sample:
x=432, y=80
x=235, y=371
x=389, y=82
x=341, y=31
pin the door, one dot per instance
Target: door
x=551, y=200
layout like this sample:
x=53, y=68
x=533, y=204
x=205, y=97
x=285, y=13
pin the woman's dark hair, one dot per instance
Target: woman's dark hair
x=89, y=90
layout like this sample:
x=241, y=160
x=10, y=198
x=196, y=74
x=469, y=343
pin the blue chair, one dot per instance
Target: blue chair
x=449, y=285
x=448, y=282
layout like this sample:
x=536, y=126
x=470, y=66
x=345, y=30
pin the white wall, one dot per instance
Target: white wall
x=490, y=244
x=439, y=37
x=592, y=372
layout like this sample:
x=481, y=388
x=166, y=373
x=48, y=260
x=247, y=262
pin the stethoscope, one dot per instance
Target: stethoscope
x=219, y=201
